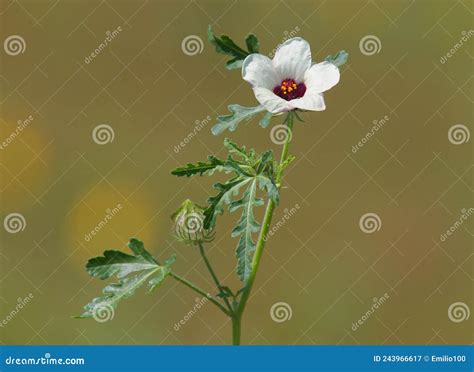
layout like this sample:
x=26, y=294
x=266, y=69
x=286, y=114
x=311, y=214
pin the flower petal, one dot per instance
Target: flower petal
x=312, y=101
x=271, y=101
x=321, y=77
x=258, y=70
x=292, y=59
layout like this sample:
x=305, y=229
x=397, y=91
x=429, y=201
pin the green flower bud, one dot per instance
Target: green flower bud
x=189, y=224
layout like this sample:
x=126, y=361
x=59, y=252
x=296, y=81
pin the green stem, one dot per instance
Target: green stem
x=200, y=291
x=236, y=330
x=267, y=219
x=213, y=274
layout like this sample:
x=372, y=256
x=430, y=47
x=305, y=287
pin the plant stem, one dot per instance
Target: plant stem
x=267, y=219
x=200, y=291
x=213, y=274
x=236, y=330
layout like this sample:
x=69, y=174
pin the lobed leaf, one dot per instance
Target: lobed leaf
x=133, y=271
x=225, y=45
x=231, y=121
x=216, y=203
x=245, y=227
x=199, y=168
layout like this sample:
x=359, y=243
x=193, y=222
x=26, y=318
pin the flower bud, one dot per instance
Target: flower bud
x=189, y=224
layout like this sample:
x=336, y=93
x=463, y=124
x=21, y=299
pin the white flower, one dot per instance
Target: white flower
x=289, y=81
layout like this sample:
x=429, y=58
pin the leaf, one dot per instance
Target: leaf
x=338, y=59
x=132, y=271
x=226, y=45
x=247, y=169
x=265, y=121
x=117, y=263
x=230, y=122
x=287, y=162
x=138, y=248
x=225, y=292
x=252, y=43
x=234, y=64
x=198, y=168
x=270, y=187
x=265, y=163
x=216, y=203
x=240, y=151
x=246, y=226
x=160, y=276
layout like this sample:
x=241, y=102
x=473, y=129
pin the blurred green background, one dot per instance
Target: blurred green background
x=151, y=94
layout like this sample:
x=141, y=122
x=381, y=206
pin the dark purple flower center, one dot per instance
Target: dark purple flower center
x=288, y=89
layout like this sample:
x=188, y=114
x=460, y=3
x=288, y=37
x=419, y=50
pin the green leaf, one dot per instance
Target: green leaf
x=216, y=203
x=287, y=162
x=198, y=168
x=234, y=64
x=265, y=183
x=230, y=122
x=265, y=163
x=246, y=226
x=117, y=263
x=265, y=121
x=225, y=292
x=240, y=151
x=338, y=59
x=252, y=43
x=226, y=45
x=160, y=276
x=132, y=271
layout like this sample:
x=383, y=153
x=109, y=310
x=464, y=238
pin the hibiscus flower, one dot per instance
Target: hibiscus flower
x=289, y=81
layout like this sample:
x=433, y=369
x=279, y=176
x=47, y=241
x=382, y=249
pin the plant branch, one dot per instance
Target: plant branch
x=213, y=274
x=263, y=232
x=200, y=291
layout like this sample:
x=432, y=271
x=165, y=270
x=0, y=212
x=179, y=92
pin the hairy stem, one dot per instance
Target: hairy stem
x=267, y=219
x=213, y=274
x=195, y=288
